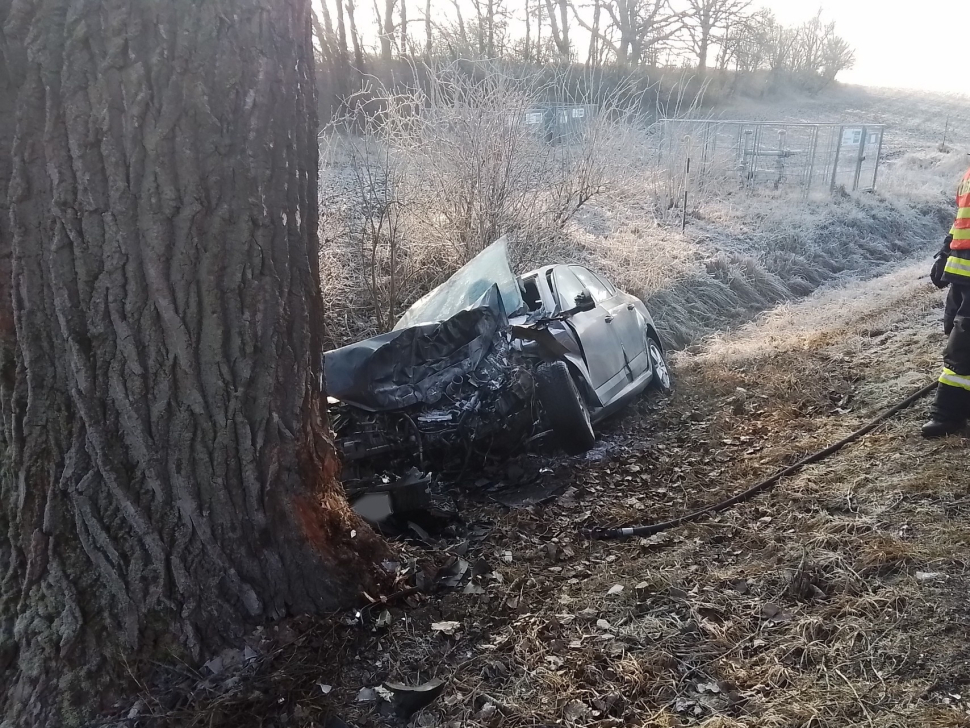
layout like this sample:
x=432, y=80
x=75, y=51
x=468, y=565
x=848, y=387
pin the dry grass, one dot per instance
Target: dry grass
x=838, y=599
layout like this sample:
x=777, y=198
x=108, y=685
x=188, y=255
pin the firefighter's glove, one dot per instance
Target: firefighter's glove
x=939, y=265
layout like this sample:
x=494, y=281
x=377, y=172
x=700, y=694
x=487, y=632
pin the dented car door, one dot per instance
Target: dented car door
x=601, y=347
x=623, y=319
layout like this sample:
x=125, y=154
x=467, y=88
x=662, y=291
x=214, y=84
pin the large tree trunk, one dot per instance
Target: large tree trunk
x=167, y=479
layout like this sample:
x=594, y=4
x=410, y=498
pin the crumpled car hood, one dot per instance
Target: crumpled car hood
x=414, y=365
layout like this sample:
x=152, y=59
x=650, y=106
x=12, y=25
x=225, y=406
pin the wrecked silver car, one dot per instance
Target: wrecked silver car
x=488, y=360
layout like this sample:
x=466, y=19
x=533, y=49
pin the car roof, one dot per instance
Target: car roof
x=541, y=270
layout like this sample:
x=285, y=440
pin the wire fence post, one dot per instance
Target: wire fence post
x=875, y=171
x=683, y=220
x=811, y=161
x=860, y=158
x=835, y=164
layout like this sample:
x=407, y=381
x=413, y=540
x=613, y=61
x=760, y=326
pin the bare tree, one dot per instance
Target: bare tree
x=593, y=57
x=343, y=65
x=527, y=43
x=559, y=24
x=640, y=25
x=355, y=36
x=462, y=30
x=324, y=33
x=490, y=27
x=707, y=21
x=403, y=50
x=428, y=31
x=837, y=55
x=386, y=23
x=168, y=480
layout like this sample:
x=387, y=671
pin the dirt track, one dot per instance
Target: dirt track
x=839, y=599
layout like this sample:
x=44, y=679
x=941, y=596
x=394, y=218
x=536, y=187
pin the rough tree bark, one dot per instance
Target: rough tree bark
x=167, y=479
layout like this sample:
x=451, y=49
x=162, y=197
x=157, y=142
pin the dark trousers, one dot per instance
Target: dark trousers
x=953, y=396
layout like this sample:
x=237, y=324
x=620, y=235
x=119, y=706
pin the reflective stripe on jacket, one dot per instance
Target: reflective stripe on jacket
x=954, y=380
x=961, y=226
x=957, y=266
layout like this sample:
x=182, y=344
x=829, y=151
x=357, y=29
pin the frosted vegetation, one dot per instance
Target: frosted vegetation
x=414, y=184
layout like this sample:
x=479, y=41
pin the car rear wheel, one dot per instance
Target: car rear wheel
x=565, y=408
x=661, y=372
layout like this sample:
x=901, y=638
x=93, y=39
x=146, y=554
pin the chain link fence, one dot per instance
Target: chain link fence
x=812, y=158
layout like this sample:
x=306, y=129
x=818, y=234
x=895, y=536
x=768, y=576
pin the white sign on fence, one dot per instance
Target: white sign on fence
x=851, y=137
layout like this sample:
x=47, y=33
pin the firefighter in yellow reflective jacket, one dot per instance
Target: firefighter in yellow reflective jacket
x=951, y=409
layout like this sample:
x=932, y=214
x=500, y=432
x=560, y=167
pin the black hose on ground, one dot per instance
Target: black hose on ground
x=650, y=529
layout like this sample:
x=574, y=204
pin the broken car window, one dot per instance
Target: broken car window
x=532, y=298
x=468, y=285
x=568, y=286
x=599, y=290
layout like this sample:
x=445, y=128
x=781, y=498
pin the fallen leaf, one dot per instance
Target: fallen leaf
x=325, y=689
x=615, y=589
x=604, y=625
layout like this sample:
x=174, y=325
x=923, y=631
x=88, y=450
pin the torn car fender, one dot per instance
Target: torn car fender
x=550, y=348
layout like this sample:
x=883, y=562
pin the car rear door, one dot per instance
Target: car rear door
x=601, y=348
x=623, y=319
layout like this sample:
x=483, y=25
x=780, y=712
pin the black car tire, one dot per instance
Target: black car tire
x=661, y=380
x=565, y=408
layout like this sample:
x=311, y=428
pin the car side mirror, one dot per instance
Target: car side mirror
x=584, y=302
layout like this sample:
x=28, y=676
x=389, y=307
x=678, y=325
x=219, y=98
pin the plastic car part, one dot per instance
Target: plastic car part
x=564, y=407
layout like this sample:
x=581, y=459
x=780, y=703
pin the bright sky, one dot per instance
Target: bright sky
x=898, y=43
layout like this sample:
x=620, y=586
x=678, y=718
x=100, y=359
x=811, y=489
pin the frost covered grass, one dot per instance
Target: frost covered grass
x=744, y=253
x=406, y=203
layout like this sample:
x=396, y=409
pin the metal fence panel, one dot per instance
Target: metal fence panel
x=773, y=155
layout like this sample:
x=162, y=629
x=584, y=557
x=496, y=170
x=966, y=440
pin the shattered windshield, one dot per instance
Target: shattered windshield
x=468, y=285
